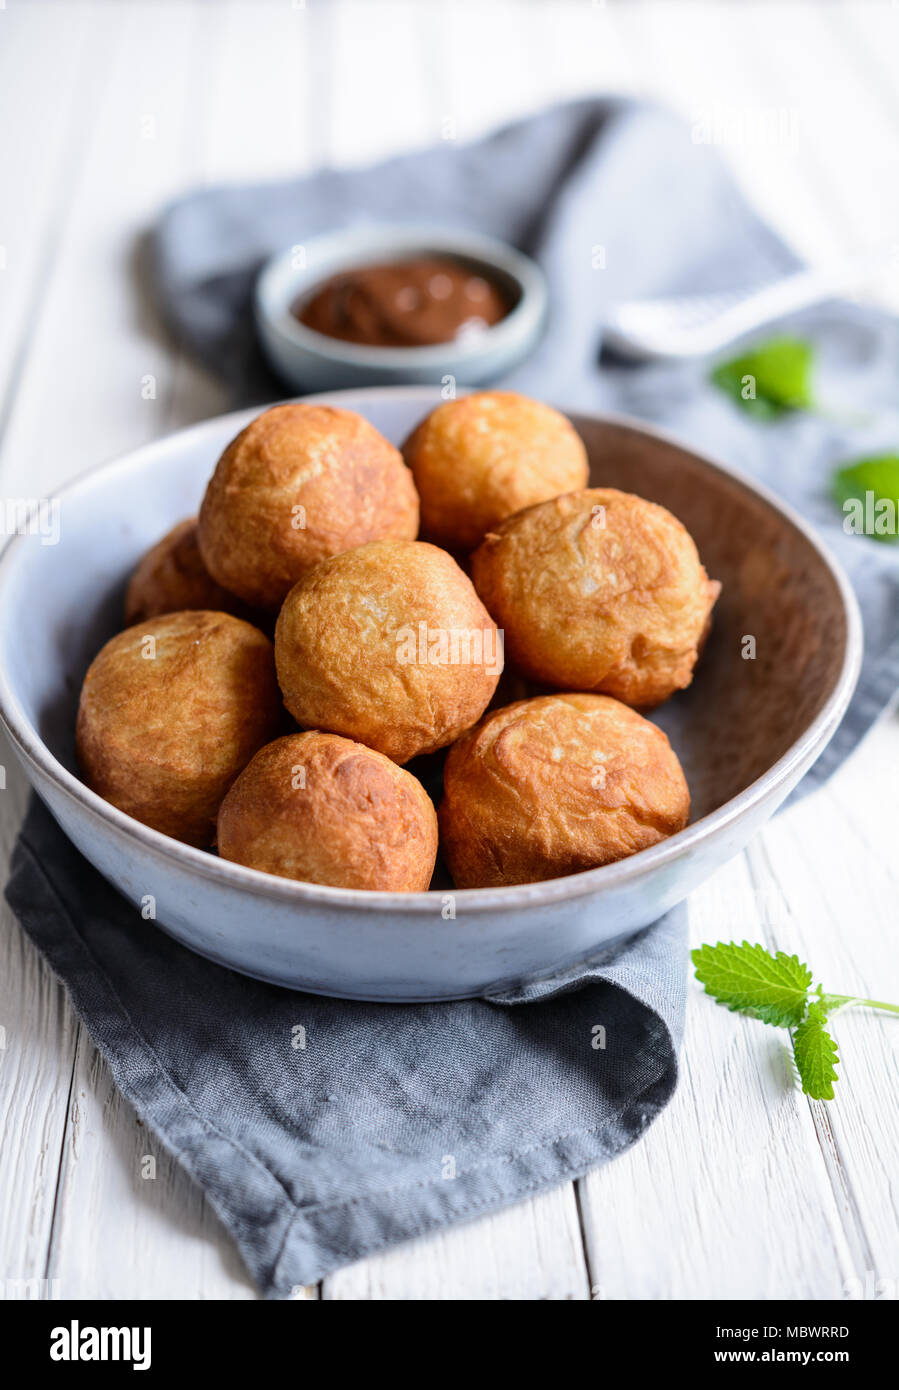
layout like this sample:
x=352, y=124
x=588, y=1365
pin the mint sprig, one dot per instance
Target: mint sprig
x=770, y=379
x=816, y=1055
x=750, y=980
x=777, y=989
x=867, y=492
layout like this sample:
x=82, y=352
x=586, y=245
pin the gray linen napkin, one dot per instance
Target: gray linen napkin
x=393, y=1120
x=397, y=1120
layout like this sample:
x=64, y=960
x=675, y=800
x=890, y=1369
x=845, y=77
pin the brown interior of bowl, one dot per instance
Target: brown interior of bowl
x=739, y=716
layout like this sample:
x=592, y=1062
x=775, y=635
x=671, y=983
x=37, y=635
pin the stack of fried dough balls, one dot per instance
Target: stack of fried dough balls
x=170, y=713
x=172, y=576
x=388, y=648
x=554, y=785
x=322, y=808
x=480, y=458
x=299, y=484
x=358, y=648
x=598, y=590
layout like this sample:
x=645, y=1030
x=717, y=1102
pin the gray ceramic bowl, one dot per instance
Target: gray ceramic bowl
x=310, y=361
x=746, y=731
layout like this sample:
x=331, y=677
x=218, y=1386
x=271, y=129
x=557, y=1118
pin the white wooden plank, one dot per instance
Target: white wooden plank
x=851, y=161
x=727, y=1195
x=43, y=66
x=867, y=36
x=866, y=794
x=516, y=59
x=261, y=114
x=714, y=64
x=582, y=50
x=836, y=871
x=41, y=56
x=112, y=1233
x=380, y=81
x=134, y=162
x=530, y=1251
x=37, y=1041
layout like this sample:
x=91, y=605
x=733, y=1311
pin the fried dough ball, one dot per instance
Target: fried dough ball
x=555, y=785
x=170, y=713
x=477, y=459
x=598, y=590
x=323, y=809
x=300, y=483
x=388, y=644
x=171, y=578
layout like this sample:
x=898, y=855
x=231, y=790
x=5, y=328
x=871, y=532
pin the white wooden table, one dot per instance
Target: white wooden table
x=742, y=1188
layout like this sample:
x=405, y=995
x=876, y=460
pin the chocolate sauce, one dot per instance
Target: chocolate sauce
x=414, y=303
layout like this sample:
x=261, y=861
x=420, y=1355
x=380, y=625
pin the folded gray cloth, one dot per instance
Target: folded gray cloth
x=393, y=1121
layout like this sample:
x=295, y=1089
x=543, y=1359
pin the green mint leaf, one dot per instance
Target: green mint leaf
x=751, y=980
x=868, y=494
x=816, y=1055
x=772, y=378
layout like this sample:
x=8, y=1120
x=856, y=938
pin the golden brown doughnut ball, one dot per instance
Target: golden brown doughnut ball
x=300, y=483
x=323, y=809
x=388, y=644
x=171, y=578
x=598, y=590
x=556, y=785
x=477, y=459
x=170, y=712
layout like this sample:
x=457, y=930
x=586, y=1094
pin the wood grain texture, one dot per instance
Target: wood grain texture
x=39, y=172
x=700, y=1207
x=742, y=1188
x=530, y=1251
x=129, y=1222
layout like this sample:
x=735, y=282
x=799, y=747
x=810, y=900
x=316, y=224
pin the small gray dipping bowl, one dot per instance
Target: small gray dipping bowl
x=745, y=731
x=311, y=361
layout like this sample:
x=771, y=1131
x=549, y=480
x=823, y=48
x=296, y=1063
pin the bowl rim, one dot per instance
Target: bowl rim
x=272, y=309
x=548, y=892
